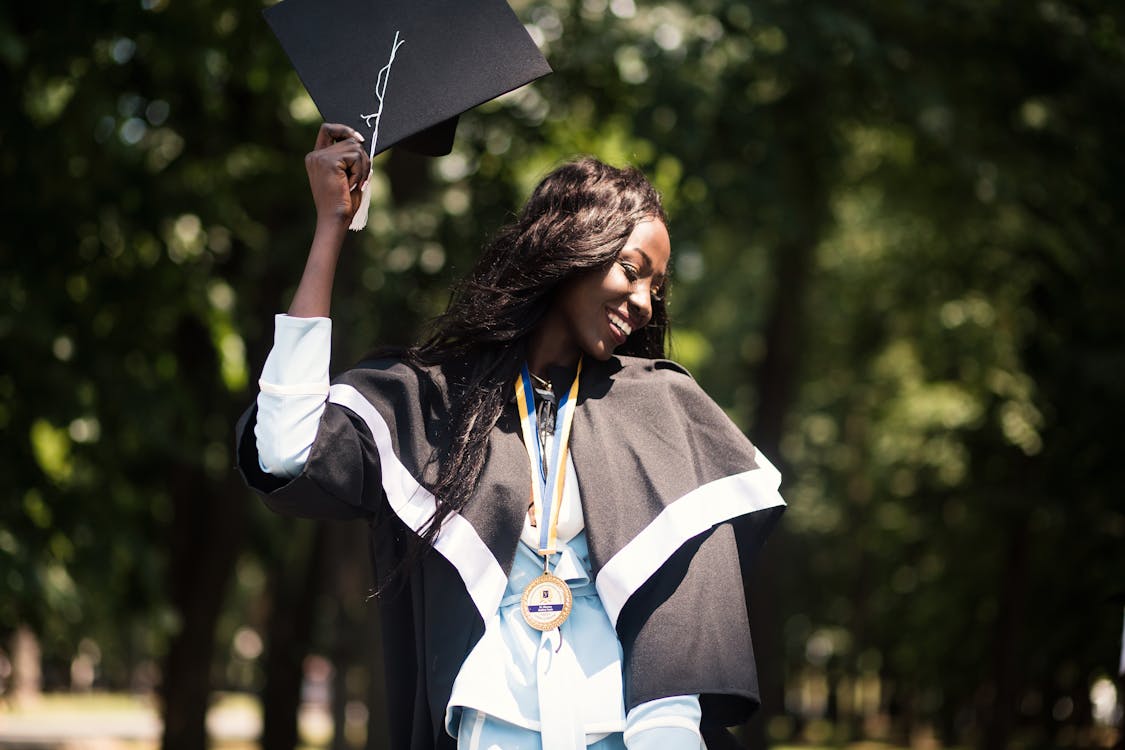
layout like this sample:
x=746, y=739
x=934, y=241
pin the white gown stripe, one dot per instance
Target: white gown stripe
x=691, y=515
x=457, y=541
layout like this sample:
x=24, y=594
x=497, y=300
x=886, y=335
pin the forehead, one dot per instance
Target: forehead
x=650, y=238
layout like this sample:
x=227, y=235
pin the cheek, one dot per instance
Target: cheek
x=615, y=282
x=595, y=289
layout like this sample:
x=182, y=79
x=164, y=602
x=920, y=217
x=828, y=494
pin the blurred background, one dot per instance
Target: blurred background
x=898, y=264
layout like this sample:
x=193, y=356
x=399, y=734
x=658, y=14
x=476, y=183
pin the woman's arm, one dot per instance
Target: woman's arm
x=337, y=168
x=294, y=383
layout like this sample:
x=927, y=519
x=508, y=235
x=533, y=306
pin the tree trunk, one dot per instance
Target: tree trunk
x=206, y=535
x=208, y=523
x=1120, y=744
x=294, y=588
x=1008, y=626
x=777, y=377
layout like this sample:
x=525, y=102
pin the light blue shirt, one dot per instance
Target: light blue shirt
x=568, y=679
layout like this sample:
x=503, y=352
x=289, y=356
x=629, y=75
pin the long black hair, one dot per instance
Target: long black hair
x=577, y=220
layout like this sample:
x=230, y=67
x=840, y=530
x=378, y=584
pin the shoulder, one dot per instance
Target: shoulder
x=648, y=384
x=655, y=374
x=395, y=385
x=388, y=370
x=637, y=368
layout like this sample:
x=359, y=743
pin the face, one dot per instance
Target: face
x=597, y=311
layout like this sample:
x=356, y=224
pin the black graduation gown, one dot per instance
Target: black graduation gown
x=676, y=502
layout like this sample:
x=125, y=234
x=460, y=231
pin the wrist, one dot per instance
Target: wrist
x=328, y=239
x=331, y=227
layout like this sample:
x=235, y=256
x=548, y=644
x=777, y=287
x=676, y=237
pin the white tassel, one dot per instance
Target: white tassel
x=359, y=220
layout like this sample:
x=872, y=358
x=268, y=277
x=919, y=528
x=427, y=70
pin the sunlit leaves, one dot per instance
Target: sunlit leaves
x=51, y=447
x=46, y=100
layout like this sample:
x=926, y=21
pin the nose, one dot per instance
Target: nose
x=640, y=305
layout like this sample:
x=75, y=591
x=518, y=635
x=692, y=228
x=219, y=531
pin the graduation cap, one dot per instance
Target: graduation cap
x=402, y=71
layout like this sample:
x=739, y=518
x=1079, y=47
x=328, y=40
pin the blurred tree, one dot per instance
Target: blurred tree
x=897, y=263
x=130, y=161
x=979, y=200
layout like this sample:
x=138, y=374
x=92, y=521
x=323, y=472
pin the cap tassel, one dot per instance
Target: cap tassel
x=359, y=220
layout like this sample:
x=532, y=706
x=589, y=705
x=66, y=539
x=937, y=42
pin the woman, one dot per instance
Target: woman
x=561, y=520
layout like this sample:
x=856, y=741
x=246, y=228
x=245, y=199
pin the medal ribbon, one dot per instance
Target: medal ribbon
x=546, y=487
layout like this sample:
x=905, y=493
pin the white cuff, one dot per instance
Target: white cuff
x=293, y=390
x=665, y=724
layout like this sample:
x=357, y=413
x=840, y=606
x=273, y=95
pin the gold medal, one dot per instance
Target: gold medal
x=546, y=602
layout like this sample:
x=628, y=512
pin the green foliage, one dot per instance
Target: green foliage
x=929, y=195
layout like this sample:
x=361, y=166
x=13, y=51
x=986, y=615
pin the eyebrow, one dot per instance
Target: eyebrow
x=648, y=262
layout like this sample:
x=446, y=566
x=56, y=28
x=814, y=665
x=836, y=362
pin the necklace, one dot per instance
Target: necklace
x=545, y=384
x=545, y=424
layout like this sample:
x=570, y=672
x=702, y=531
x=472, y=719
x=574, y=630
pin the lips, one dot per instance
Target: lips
x=619, y=326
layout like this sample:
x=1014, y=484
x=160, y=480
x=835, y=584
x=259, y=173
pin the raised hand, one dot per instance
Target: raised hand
x=337, y=167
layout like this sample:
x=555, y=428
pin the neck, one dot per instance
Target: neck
x=550, y=348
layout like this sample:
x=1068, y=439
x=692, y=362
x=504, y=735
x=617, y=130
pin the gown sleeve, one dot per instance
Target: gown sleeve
x=671, y=561
x=292, y=393
x=305, y=455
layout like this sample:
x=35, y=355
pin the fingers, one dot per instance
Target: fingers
x=342, y=166
x=331, y=132
x=346, y=157
x=356, y=164
x=338, y=166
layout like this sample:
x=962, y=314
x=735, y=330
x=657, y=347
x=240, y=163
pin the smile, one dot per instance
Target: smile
x=620, y=326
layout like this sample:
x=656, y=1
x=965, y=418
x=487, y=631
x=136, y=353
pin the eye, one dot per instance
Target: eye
x=657, y=293
x=631, y=272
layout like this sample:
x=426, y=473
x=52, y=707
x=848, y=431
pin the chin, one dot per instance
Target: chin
x=599, y=351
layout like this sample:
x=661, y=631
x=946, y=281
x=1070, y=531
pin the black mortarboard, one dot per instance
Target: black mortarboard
x=405, y=69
